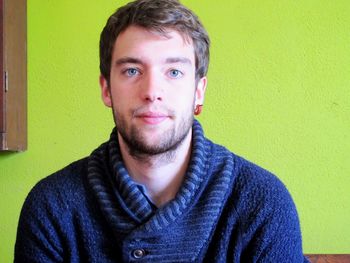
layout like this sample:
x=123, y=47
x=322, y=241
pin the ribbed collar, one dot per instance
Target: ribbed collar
x=123, y=203
x=133, y=199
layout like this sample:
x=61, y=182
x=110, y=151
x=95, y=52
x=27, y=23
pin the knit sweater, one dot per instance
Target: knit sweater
x=227, y=210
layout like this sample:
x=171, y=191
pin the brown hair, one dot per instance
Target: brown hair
x=157, y=15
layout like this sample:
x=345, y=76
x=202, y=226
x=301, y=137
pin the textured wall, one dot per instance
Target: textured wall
x=278, y=94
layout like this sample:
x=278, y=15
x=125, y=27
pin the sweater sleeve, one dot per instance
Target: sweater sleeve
x=38, y=237
x=269, y=221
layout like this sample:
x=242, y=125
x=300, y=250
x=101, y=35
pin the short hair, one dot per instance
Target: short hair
x=159, y=16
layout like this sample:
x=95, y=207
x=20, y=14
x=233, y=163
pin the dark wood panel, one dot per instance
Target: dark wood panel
x=329, y=258
x=15, y=65
x=2, y=95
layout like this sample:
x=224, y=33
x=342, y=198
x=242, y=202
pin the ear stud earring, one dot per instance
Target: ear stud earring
x=198, y=109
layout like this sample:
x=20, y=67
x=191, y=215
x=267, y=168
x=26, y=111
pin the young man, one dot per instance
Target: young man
x=158, y=190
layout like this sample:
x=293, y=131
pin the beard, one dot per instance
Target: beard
x=165, y=146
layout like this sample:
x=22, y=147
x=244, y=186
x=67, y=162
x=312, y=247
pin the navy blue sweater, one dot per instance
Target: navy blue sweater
x=227, y=210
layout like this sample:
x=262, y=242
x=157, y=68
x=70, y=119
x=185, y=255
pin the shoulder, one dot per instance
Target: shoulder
x=48, y=212
x=59, y=188
x=253, y=190
x=264, y=205
x=267, y=219
x=255, y=186
x=251, y=186
x=65, y=179
x=249, y=183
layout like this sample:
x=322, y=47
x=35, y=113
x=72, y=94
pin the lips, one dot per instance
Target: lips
x=152, y=117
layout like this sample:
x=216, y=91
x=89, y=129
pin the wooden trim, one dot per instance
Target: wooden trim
x=14, y=61
x=2, y=95
x=329, y=258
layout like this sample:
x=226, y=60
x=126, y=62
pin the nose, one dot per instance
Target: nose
x=152, y=88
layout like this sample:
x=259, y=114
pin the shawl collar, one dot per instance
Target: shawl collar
x=193, y=213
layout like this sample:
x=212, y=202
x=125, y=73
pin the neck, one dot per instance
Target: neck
x=162, y=174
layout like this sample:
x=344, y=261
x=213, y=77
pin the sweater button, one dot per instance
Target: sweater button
x=138, y=253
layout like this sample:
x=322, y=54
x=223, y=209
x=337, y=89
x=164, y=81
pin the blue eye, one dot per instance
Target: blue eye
x=174, y=73
x=131, y=72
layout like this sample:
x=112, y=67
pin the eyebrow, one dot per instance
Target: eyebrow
x=171, y=60
x=126, y=60
x=178, y=60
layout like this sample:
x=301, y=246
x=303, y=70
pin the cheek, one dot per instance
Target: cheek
x=183, y=101
x=120, y=94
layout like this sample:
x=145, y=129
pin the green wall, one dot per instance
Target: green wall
x=278, y=94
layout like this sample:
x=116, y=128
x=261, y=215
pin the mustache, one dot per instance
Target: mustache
x=154, y=111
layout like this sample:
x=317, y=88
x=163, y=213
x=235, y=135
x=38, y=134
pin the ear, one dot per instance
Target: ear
x=200, y=91
x=105, y=92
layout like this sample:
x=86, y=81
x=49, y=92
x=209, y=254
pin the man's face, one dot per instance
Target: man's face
x=152, y=90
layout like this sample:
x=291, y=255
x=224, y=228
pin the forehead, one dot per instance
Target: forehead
x=140, y=42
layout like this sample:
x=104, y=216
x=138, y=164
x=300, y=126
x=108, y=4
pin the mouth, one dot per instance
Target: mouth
x=152, y=118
